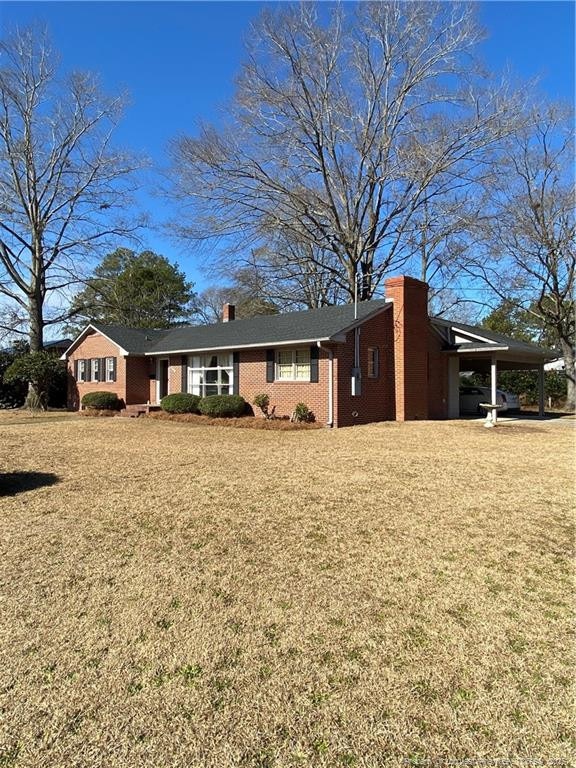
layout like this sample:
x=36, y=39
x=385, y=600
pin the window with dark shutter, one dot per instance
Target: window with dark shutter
x=102, y=369
x=184, y=366
x=314, y=356
x=270, y=361
x=236, y=373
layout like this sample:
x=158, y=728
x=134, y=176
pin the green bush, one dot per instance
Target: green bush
x=181, y=402
x=302, y=413
x=42, y=371
x=102, y=401
x=262, y=401
x=12, y=395
x=223, y=406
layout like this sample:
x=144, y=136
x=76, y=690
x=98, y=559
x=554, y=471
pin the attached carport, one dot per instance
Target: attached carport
x=475, y=349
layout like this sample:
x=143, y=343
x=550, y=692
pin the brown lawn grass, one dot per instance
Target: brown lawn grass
x=214, y=597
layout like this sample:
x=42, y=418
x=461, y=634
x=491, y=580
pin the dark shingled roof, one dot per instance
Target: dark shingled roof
x=136, y=341
x=311, y=325
x=494, y=339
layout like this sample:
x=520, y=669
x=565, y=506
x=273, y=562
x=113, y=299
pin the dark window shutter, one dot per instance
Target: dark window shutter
x=236, y=373
x=270, y=360
x=114, y=369
x=75, y=369
x=102, y=369
x=184, y=365
x=88, y=368
x=314, y=355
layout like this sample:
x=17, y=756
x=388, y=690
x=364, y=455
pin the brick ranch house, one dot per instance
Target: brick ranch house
x=391, y=362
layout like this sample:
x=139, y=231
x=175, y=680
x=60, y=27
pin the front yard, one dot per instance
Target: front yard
x=175, y=596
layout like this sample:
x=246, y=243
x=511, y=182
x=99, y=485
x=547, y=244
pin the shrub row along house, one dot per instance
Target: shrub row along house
x=386, y=360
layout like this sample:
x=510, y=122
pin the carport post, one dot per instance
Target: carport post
x=493, y=372
x=541, y=391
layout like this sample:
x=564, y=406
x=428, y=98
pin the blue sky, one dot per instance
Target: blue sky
x=178, y=61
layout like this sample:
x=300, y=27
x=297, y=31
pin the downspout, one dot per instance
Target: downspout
x=330, y=422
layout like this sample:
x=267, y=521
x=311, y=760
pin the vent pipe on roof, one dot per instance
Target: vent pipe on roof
x=228, y=313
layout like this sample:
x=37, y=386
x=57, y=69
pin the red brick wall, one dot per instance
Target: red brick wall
x=411, y=340
x=437, y=378
x=95, y=345
x=376, y=399
x=138, y=370
x=283, y=394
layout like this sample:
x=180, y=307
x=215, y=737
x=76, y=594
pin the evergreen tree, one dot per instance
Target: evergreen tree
x=137, y=290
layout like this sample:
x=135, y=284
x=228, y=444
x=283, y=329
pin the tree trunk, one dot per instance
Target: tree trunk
x=35, y=399
x=569, y=363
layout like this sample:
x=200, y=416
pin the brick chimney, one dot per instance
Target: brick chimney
x=411, y=333
x=228, y=313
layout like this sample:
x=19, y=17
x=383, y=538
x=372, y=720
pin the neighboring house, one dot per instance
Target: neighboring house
x=556, y=365
x=58, y=347
x=391, y=362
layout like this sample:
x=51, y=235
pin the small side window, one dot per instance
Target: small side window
x=81, y=370
x=373, y=362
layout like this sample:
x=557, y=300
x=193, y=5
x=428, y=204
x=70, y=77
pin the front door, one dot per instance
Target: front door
x=163, y=364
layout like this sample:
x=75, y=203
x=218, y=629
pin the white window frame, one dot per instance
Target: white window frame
x=293, y=352
x=109, y=377
x=81, y=370
x=95, y=369
x=197, y=370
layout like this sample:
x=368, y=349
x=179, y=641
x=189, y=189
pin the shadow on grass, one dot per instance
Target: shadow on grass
x=12, y=483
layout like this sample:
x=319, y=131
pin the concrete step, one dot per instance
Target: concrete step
x=132, y=413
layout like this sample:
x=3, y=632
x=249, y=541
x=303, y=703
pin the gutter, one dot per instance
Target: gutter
x=259, y=345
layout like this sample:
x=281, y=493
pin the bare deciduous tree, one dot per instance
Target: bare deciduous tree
x=341, y=132
x=525, y=241
x=63, y=189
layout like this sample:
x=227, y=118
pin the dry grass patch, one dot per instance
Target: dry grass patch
x=218, y=597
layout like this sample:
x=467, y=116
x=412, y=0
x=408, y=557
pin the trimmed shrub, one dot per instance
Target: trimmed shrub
x=102, y=401
x=180, y=402
x=263, y=402
x=223, y=406
x=302, y=413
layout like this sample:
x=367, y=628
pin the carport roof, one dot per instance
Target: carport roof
x=464, y=338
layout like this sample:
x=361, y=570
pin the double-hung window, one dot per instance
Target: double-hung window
x=110, y=369
x=95, y=373
x=293, y=364
x=210, y=374
x=81, y=370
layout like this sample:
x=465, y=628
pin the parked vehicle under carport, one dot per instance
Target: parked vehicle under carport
x=471, y=397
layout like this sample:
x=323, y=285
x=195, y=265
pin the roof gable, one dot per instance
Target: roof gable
x=130, y=341
x=464, y=336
